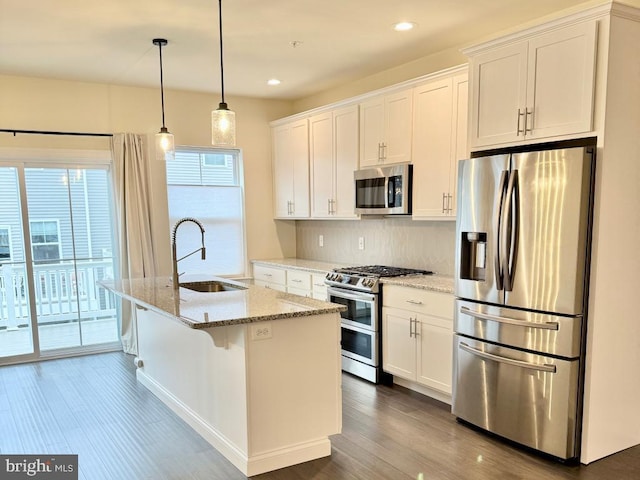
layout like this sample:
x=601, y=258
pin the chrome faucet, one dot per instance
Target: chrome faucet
x=174, y=249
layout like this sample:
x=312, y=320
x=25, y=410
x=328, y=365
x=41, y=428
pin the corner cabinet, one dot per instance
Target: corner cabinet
x=291, y=170
x=385, y=129
x=532, y=89
x=417, y=336
x=439, y=141
x=333, y=152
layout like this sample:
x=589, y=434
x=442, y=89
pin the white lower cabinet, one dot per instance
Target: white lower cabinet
x=299, y=282
x=270, y=277
x=417, y=336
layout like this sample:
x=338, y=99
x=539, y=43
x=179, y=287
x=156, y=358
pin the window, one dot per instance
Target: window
x=206, y=184
x=45, y=240
x=5, y=245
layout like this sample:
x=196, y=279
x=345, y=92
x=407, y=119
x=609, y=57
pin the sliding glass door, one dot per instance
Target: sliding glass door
x=58, y=244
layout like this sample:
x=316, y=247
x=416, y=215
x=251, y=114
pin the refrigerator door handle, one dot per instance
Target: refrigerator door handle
x=509, y=321
x=510, y=231
x=545, y=367
x=497, y=229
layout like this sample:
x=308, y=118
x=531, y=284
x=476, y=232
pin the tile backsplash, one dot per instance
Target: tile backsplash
x=398, y=242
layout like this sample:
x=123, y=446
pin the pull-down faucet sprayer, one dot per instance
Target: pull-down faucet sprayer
x=174, y=249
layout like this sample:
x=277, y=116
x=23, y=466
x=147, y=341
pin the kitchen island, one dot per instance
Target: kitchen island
x=256, y=372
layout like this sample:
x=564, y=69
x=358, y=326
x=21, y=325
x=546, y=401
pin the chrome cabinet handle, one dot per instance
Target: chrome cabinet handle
x=296, y=280
x=528, y=125
x=410, y=327
x=518, y=129
x=509, y=321
x=268, y=275
x=444, y=208
x=545, y=367
x=384, y=151
x=414, y=302
x=379, y=151
x=449, y=203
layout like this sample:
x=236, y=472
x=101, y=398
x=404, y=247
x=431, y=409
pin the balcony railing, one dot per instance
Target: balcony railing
x=63, y=292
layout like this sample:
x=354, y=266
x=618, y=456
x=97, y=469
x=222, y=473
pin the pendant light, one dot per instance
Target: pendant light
x=223, y=120
x=165, y=146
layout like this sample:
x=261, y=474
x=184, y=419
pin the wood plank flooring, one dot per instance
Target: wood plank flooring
x=93, y=406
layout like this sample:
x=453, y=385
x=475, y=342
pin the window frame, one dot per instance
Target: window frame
x=37, y=244
x=238, y=174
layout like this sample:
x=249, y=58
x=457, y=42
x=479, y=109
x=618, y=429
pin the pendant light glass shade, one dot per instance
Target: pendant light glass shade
x=223, y=120
x=165, y=145
x=223, y=127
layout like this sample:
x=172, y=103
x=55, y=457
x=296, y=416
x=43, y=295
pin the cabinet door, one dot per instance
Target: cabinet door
x=321, y=159
x=291, y=170
x=397, y=127
x=345, y=122
x=560, y=82
x=432, y=144
x=499, y=95
x=300, y=160
x=318, y=287
x=398, y=346
x=282, y=171
x=460, y=148
x=371, y=131
x=435, y=352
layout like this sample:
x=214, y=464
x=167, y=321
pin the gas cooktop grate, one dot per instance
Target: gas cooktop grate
x=381, y=271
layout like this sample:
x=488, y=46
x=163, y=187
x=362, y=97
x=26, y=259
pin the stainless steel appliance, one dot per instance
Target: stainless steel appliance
x=384, y=190
x=359, y=289
x=522, y=259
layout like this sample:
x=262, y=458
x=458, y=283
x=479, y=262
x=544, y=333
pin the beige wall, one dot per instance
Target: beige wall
x=49, y=104
x=422, y=66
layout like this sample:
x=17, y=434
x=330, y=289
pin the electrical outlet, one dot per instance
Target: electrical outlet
x=261, y=331
x=321, y=240
x=360, y=243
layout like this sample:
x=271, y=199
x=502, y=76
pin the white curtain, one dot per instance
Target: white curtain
x=133, y=210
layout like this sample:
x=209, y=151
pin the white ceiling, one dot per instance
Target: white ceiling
x=342, y=40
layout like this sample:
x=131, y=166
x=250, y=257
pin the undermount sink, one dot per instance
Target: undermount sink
x=210, y=286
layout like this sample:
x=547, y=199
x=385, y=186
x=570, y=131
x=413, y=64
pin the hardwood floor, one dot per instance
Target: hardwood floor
x=92, y=406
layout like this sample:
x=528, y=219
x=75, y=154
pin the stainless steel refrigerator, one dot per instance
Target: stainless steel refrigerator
x=522, y=260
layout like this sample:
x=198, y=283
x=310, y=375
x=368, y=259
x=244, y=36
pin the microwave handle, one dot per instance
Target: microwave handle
x=391, y=191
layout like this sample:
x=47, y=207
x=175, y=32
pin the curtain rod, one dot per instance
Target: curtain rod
x=45, y=132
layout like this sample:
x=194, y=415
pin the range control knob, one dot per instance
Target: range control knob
x=339, y=277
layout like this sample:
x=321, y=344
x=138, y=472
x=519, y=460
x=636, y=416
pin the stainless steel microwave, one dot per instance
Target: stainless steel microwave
x=384, y=190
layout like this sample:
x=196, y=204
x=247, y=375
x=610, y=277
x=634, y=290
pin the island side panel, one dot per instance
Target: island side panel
x=294, y=390
x=204, y=384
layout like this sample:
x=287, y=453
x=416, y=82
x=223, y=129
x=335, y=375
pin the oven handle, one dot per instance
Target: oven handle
x=509, y=321
x=363, y=297
x=509, y=361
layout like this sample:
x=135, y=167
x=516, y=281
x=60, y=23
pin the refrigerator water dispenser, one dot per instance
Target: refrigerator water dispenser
x=474, y=256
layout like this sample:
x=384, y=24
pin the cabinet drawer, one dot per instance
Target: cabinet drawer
x=299, y=280
x=419, y=301
x=319, y=288
x=273, y=275
x=273, y=286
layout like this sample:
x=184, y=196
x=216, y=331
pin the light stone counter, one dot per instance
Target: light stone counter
x=301, y=264
x=203, y=310
x=436, y=283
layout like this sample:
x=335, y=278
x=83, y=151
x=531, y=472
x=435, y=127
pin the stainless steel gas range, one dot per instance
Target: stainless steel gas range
x=359, y=289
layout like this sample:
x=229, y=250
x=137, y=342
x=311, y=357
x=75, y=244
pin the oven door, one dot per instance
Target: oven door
x=362, y=308
x=360, y=344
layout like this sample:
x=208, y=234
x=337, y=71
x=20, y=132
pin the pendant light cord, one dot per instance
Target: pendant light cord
x=221, y=62
x=161, y=84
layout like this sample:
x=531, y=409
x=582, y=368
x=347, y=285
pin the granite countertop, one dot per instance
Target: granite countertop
x=203, y=310
x=301, y=264
x=436, y=283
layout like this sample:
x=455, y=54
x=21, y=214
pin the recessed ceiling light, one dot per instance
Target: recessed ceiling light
x=404, y=26
x=273, y=81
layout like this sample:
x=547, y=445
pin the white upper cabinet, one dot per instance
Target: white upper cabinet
x=536, y=88
x=439, y=141
x=291, y=169
x=333, y=146
x=385, y=129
